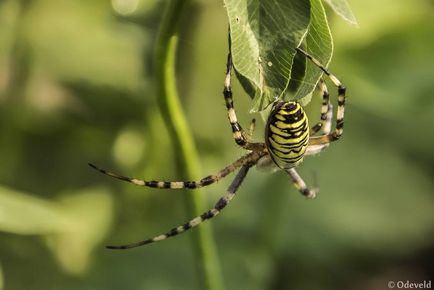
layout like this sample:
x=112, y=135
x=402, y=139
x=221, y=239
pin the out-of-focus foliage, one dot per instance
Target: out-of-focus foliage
x=75, y=87
x=342, y=8
x=71, y=227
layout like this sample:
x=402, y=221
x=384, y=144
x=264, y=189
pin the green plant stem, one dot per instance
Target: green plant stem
x=183, y=144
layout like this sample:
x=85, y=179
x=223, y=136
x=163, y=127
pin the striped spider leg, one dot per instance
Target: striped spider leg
x=245, y=162
x=326, y=107
x=326, y=120
x=339, y=129
x=237, y=131
x=208, y=180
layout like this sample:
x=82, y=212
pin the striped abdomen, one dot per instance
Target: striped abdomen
x=287, y=134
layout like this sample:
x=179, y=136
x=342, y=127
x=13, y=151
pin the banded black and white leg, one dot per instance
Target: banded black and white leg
x=337, y=133
x=326, y=123
x=326, y=107
x=208, y=180
x=218, y=207
x=238, y=133
x=301, y=185
x=237, y=130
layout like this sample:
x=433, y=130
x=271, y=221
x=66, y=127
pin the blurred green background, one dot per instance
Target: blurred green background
x=76, y=86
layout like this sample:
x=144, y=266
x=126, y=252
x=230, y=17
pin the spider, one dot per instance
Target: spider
x=287, y=140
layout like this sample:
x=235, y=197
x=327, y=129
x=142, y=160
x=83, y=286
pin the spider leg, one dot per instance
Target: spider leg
x=337, y=133
x=218, y=207
x=325, y=108
x=315, y=149
x=237, y=131
x=301, y=185
x=210, y=179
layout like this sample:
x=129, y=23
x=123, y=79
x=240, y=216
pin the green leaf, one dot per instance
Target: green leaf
x=342, y=8
x=90, y=212
x=73, y=226
x=22, y=213
x=263, y=38
x=319, y=44
x=264, y=35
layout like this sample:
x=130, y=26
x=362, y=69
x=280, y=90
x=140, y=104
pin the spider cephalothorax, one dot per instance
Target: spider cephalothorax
x=288, y=139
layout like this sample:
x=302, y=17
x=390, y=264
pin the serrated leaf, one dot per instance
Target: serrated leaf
x=319, y=44
x=342, y=8
x=264, y=35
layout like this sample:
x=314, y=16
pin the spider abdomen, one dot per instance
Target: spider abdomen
x=287, y=134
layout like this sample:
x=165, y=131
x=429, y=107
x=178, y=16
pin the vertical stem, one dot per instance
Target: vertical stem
x=183, y=144
x=1, y=278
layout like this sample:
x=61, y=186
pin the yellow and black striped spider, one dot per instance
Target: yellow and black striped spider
x=287, y=140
